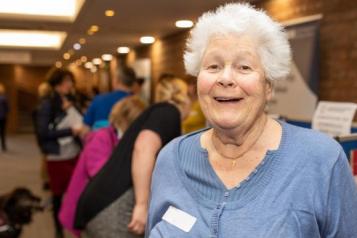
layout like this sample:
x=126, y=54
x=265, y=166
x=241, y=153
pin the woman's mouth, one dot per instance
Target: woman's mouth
x=227, y=99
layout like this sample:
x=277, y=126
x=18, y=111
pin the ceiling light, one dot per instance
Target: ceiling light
x=94, y=28
x=36, y=39
x=82, y=41
x=93, y=69
x=96, y=61
x=77, y=46
x=147, y=39
x=109, y=13
x=66, y=10
x=90, y=33
x=184, y=24
x=58, y=64
x=123, y=50
x=66, y=56
x=107, y=57
x=88, y=65
x=84, y=59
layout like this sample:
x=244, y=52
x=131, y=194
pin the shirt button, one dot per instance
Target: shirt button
x=226, y=194
x=218, y=206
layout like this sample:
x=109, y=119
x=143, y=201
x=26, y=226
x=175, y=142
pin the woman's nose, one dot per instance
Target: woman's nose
x=226, y=79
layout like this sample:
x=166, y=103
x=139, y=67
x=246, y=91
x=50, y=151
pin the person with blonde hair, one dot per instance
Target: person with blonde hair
x=96, y=152
x=115, y=202
x=196, y=119
x=248, y=175
x=4, y=110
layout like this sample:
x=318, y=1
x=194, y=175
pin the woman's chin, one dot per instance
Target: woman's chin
x=226, y=123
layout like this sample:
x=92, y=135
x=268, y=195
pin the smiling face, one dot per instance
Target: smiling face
x=231, y=86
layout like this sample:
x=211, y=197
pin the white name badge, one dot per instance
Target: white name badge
x=180, y=219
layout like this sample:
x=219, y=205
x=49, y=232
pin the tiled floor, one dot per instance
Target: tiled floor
x=20, y=166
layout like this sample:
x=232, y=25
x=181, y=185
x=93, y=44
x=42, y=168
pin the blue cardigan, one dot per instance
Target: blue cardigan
x=304, y=189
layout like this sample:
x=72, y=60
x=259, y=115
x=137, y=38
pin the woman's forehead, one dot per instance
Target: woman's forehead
x=231, y=46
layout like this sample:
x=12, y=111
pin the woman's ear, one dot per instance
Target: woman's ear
x=268, y=89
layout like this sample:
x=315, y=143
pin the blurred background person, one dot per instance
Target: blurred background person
x=195, y=119
x=97, y=150
x=57, y=138
x=97, y=115
x=44, y=92
x=115, y=202
x=4, y=110
x=137, y=86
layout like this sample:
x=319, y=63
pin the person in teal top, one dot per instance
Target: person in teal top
x=248, y=175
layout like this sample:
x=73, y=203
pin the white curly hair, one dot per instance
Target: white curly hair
x=241, y=19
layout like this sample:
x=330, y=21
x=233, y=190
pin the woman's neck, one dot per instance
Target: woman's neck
x=236, y=143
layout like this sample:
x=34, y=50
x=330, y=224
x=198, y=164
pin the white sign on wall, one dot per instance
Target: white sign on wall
x=334, y=118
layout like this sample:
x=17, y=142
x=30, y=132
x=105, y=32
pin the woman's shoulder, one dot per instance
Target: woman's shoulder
x=311, y=142
x=181, y=143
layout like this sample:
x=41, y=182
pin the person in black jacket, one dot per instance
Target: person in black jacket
x=57, y=139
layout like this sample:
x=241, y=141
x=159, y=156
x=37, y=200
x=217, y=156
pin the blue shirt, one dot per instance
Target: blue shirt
x=98, y=112
x=304, y=189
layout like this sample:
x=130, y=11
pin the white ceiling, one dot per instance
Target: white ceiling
x=132, y=19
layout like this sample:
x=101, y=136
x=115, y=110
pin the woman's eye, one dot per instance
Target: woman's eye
x=244, y=67
x=213, y=67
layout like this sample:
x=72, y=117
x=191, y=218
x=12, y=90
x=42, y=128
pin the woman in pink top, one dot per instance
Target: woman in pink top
x=97, y=150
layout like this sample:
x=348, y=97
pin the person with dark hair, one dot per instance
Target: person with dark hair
x=137, y=85
x=4, y=109
x=57, y=132
x=97, y=115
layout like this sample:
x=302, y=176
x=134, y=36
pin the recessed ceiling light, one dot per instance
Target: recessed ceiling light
x=82, y=41
x=96, y=61
x=184, y=24
x=66, y=56
x=32, y=39
x=77, y=46
x=109, y=13
x=58, y=64
x=64, y=10
x=123, y=50
x=94, y=28
x=84, y=59
x=93, y=69
x=147, y=39
x=88, y=65
x=107, y=57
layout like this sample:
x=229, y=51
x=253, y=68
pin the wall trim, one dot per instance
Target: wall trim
x=301, y=20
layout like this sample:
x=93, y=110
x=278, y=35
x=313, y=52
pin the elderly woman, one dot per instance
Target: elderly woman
x=248, y=175
x=115, y=202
